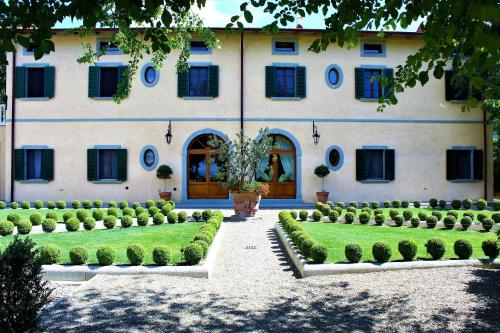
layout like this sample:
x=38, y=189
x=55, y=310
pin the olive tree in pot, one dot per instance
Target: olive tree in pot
x=237, y=162
x=164, y=172
x=322, y=171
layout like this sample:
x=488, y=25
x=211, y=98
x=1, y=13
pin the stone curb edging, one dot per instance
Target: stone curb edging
x=84, y=273
x=307, y=270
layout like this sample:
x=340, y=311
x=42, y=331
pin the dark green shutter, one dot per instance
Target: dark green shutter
x=123, y=77
x=19, y=164
x=451, y=163
x=48, y=164
x=213, y=81
x=93, y=81
x=20, y=89
x=300, y=83
x=359, y=82
x=270, y=81
x=389, y=88
x=49, y=81
x=183, y=84
x=91, y=164
x=390, y=164
x=360, y=165
x=122, y=164
x=478, y=164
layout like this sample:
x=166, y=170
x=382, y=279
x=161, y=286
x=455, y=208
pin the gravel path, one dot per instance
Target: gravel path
x=255, y=288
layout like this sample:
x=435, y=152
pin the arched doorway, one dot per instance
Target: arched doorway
x=201, y=181
x=279, y=169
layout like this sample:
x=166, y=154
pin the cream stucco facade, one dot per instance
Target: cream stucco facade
x=420, y=128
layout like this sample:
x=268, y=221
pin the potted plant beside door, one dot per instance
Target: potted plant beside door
x=237, y=162
x=322, y=171
x=164, y=172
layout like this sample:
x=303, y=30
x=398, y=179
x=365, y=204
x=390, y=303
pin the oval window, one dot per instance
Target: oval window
x=333, y=76
x=334, y=157
x=150, y=74
x=149, y=157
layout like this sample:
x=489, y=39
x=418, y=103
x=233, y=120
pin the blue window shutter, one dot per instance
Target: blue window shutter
x=93, y=81
x=270, y=81
x=123, y=77
x=390, y=164
x=213, y=81
x=359, y=82
x=20, y=88
x=478, y=164
x=183, y=84
x=122, y=164
x=48, y=164
x=19, y=164
x=451, y=164
x=300, y=83
x=360, y=164
x=389, y=88
x=92, y=164
x=49, y=81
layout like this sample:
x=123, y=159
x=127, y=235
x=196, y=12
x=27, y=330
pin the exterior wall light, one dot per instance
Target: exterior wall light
x=168, y=136
x=315, y=134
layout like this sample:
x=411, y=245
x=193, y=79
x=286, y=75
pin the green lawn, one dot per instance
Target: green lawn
x=173, y=236
x=26, y=213
x=335, y=236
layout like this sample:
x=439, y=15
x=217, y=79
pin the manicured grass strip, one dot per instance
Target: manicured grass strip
x=26, y=213
x=173, y=236
x=335, y=236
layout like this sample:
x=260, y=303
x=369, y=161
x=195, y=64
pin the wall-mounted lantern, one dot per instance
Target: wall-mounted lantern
x=315, y=134
x=168, y=136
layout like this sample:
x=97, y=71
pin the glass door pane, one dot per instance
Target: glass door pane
x=197, y=168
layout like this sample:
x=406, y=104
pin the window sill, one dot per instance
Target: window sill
x=107, y=181
x=365, y=99
x=373, y=55
x=197, y=98
x=465, y=181
x=33, y=181
x=275, y=52
x=209, y=51
x=34, y=98
x=286, y=98
x=113, y=52
x=102, y=98
x=457, y=101
x=375, y=181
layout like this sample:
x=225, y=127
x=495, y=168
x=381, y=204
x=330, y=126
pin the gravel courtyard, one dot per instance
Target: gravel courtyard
x=255, y=288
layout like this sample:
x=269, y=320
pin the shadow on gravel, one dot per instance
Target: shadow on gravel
x=280, y=251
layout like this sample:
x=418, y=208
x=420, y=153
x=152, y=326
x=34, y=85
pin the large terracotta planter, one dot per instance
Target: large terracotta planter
x=322, y=196
x=165, y=195
x=246, y=204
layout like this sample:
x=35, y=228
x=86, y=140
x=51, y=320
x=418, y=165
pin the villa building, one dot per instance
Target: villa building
x=65, y=138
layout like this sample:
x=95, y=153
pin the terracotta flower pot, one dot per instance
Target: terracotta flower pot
x=165, y=195
x=322, y=196
x=246, y=204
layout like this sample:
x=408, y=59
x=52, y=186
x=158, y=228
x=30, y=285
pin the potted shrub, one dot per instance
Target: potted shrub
x=238, y=161
x=164, y=172
x=322, y=171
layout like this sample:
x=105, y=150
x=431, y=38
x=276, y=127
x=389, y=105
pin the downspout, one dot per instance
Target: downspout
x=485, y=148
x=241, y=81
x=13, y=127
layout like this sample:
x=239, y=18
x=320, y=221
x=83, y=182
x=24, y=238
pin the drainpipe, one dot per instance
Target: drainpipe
x=485, y=148
x=241, y=81
x=13, y=126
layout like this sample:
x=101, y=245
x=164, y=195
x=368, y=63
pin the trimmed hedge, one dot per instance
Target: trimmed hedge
x=98, y=214
x=316, y=215
x=353, y=253
x=381, y=251
x=449, y=222
x=126, y=221
x=161, y=255
x=49, y=225
x=24, y=227
x=38, y=204
x=415, y=222
x=110, y=221
x=172, y=217
x=364, y=218
x=196, y=215
x=408, y=249
x=89, y=223
x=491, y=248
x=436, y=248
x=72, y=224
x=50, y=254
x=105, y=255
x=36, y=219
x=487, y=224
x=143, y=219
x=193, y=253
x=431, y=221
x=78, y=255
x=135, y=254
x=349, y=217
x=158, y=219
x=379, y=219
x=6, y=228
x=182, y=217
x=463, y=249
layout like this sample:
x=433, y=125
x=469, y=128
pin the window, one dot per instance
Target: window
x=334, y=76
x=108, y=81
x=149, y=157
x=368, y=82
x=34, y=164
x=456, y=87
x=149, y=75
x=334, y=158
x=106, y=164
x=198, y=46
x=464, y=164
x=372, y=85
x=35, y=82
x=108, y=47
x=198, y=81
x=285, y=82
x=375, y=164
x=373, y=49
x=286, y=47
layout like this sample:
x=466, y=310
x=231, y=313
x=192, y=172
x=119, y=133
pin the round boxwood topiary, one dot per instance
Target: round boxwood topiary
x=466, y=222
x=67, y=216
x=6, y=228
x=161, y=255
x=140, y=210
x=449, y=222
x=76, y=204
x=378, y=211
x=97, y=203
x=453, y=213
x=463, y=249
x=160, y=203
x=123, y=204
x=136, y=204
x=456, y=204
x=87, y=204
x=112, y=211
x=49, y=225
x=105, y=255
x=487, y=224
x=349, y=217
x=316, y=215
x=89, y=223
x=325, y=210
x=408, y=249
x=206, y=214
x=365, y=204
x=172, y=217
x=481, y=217
x=3, y=205
x=51, y=215
x=61, y=204
x=36, y=219
x=353, y=252
x=398, y=220
x=110, y=221
x=81, y=214
x=381, y=251
x=112, y=204
x=491, y=248
x=38, y=204
x=407, y=215
x=431, y=222
x=438, y=215
x=51, y=205
x=14, y=205
x=204, y=236
x=98, y=214
x=303, y=215
x=14, y=218
x=387, y=204
x=143, y=219
x=78, y=255
x=149, y=203
x=495, y=217
x=393, y=213
x=415, y=222
x=353, y=204
x=481, y=204
x=422, y=216
x=396, y=203
x=25, y=204
x=196, y=215
x=417, y=204
x=496, y=204
x=379, y=219
x=470, y=214
x=126, y=221
x=405, y=204
x=364, y=218
x=294, y=236
x=467, y=203
x=72, y=224
x=158, y=219
x=436, y=248
x=24, y=227
x=153, y=210
x=204, y=245
x=167, y=208
x=340, y=204
x=50, y=254
x=351, y=209
x=433, y=202
x=330, y=204
x=442, y=204
x=193, y=253
x=318, y=253
x=374, y=204
x=306, y=246
x=127, y=211
x=367, y=210
x=182, y=217
x=135, y=254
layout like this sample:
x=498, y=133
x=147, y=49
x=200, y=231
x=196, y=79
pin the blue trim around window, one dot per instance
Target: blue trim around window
x=464, y=148
x=108, y=52
x=35, y=180
x=363, y=54
x=156, y=161
x=106, y=181
x=28, y=53
x=105, y=64
x=143, y=72
x=208, y=51
x=298, y=158
x=378, y=67
x=340, y=74
x=279, y=39
x=471, y=180
x=33, y=65
x=341, y=158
